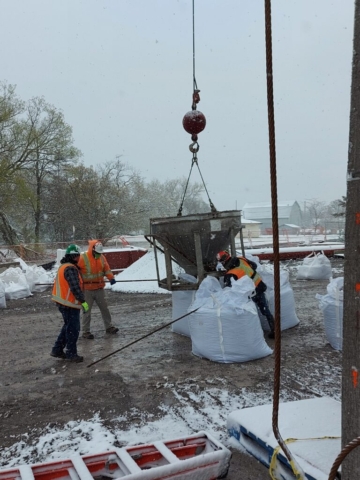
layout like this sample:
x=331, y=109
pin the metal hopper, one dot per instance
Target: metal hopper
x=193, y=241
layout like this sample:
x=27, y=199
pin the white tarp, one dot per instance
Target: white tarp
x=226, y=328
x=315, y=266
x=332, y=306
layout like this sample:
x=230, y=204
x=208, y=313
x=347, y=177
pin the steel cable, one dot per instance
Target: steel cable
x=274, y=203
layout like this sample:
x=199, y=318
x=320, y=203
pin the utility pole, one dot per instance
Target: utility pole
x=350, y=468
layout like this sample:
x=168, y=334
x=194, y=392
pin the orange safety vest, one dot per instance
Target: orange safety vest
x=245, y=269
x=93, y=271
x=61, y=292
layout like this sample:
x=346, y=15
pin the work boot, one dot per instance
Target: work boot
x=112, y=330
x=88, y=336
x=76, y=359
x=57, y=354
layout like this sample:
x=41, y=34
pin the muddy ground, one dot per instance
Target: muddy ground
x=37, y=390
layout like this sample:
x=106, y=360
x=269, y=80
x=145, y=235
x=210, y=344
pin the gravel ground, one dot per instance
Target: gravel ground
x=37, y=390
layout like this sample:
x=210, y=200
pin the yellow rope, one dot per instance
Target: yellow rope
x=297, y=473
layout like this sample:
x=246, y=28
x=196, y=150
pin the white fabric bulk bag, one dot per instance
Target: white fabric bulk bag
x=288, y=317
x=2, y=295
x=181, y=301
x=36, y=276
x=332, y=306
x=315, y=266
x=226, y=328
x=20, y=289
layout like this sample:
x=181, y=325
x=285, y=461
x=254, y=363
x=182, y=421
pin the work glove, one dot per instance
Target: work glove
x=112, y=281
x=85, y=307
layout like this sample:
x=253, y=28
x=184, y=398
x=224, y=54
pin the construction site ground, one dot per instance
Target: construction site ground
x=37, y=390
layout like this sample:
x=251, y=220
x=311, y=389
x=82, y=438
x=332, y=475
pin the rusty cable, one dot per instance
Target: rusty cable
x=141, y=338
x=344, y=452
x=274, y=204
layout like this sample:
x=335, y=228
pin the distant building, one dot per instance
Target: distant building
x=289, y=213
x=252, y=228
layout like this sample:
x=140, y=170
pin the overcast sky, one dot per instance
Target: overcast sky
x=121, y=71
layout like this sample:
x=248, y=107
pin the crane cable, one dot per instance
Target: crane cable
x=194, y=146
x=297, y=470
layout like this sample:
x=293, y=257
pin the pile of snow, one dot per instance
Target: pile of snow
x=135, y=279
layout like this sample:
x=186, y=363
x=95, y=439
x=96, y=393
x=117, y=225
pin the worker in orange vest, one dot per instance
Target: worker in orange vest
x=237, y=267
x=94, y=267
x=68, y=295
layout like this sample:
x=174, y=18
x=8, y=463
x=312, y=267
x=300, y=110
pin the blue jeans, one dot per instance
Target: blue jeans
x=69, y=333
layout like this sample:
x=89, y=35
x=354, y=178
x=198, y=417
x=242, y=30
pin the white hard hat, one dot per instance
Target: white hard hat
x=98, y=247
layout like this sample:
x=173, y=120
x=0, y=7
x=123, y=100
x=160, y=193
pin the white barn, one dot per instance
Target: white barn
x=289, y=212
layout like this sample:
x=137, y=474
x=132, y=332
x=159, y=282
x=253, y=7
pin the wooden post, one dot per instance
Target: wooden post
x=350, y=468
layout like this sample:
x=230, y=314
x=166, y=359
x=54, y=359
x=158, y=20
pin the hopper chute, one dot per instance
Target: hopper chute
x=193, y=241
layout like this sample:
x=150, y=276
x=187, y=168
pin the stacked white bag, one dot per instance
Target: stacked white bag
x=288, y=317
x=226, y=328
x=315, y=266
x=332, y=305
x=181, y=301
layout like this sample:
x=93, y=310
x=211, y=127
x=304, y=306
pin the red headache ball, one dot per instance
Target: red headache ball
x=194, y=122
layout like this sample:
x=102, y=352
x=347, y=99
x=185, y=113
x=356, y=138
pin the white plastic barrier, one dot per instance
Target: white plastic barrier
x=226, y=328
x=332, y=306
x=315, y=266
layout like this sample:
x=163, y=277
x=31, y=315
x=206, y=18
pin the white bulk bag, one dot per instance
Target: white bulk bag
x=332, y=306
x=226, y=328
x=315, y=266
x=36, y=276
x=288, y=317
x=181, y=301
x=2, y=295
x=20, y=289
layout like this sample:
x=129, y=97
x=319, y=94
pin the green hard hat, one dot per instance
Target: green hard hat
x=73, y=250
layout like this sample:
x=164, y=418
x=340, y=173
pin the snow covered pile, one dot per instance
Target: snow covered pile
x=141, y=277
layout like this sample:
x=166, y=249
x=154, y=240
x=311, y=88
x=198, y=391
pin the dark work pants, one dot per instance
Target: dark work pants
x=69, y=333
x=261, y=302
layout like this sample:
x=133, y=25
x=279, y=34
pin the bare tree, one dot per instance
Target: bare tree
x=317, y=212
